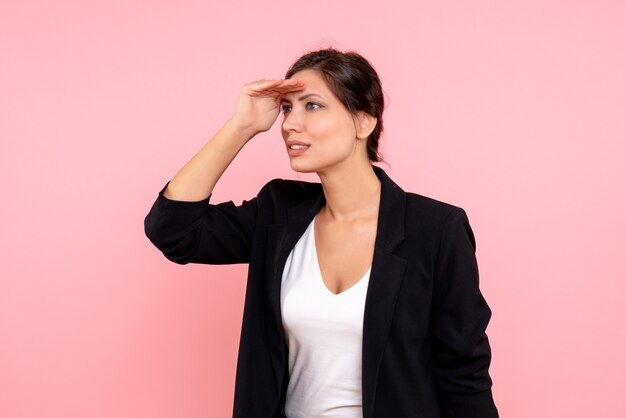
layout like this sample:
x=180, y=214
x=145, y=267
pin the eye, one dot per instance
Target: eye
x=314, y=104
x=285, y=108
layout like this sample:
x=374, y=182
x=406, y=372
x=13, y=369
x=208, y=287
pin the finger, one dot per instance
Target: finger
x=292, y=81
x=274, y=92
x=276, y=87
x=285, y=90
x=260, y=85
x=288, y=87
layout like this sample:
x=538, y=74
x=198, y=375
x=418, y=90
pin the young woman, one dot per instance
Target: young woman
x=362, y=299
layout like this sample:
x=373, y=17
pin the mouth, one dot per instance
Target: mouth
x=297, y=149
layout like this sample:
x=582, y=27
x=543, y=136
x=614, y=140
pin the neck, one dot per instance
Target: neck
x=352, y=191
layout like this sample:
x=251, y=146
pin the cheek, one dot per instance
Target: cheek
x=331, y=127
x=336, y=138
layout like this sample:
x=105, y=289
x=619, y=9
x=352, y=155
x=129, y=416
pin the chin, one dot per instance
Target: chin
x=302, y=168
x=318, y=165
x=305, y=165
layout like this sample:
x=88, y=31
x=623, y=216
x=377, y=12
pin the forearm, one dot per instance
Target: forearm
x=197, y=179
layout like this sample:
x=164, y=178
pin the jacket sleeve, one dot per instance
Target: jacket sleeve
x=201, y=232
x=460, y=315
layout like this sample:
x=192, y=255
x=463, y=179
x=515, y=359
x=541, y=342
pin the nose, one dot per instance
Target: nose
x=292, y=121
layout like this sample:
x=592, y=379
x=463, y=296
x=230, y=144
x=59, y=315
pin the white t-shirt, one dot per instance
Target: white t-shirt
x=324, y=333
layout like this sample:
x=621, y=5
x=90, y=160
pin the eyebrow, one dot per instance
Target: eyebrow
x=306, y=96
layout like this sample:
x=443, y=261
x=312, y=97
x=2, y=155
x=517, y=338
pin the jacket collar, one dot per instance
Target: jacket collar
x=384, y=283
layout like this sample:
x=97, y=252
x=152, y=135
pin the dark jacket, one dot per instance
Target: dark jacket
x=425, y=351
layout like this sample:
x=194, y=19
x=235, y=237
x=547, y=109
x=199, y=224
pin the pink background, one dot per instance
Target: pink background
x=515, y=111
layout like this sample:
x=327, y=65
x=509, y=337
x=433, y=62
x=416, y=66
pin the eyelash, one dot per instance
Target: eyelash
x=309, y=103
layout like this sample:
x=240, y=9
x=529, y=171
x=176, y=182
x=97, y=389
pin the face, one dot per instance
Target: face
x=314, y=116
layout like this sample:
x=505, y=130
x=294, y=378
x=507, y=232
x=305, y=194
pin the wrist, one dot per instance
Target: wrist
x=244, y=133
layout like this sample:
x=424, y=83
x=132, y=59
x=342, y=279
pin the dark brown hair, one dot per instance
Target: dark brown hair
x=355, y=83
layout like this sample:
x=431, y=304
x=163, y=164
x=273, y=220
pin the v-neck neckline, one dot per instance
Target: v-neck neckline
x=319, y=270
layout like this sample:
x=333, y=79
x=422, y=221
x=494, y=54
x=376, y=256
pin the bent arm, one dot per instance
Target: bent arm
x=196, y=179
x=459, y=320
x=201, y=232
x=182, y=223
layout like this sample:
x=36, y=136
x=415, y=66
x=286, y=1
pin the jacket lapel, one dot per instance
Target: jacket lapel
x=384, y=282
x=281, y=238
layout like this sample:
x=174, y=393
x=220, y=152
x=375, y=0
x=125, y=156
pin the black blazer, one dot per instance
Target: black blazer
x=425, y=351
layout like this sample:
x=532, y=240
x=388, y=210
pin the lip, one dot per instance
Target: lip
x=296, y=152
x=291, y=142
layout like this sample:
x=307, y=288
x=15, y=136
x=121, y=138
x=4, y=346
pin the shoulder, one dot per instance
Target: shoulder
x=289, y=191
x=430, y=208
x=433, y=220
x=420, y=210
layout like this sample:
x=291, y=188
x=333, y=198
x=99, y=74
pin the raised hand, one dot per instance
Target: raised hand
x=259, y=103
